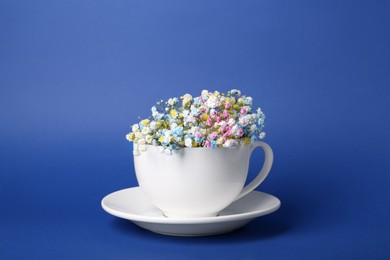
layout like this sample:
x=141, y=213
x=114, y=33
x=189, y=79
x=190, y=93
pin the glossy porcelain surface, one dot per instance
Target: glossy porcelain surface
x=132, y=204
x=197, y=182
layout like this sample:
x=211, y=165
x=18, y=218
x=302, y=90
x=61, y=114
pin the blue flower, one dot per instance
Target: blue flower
x=178, y=131
x=196, y=101
x=195, y=111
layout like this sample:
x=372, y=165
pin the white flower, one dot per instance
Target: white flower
x=154, y=111
x=167, y=137
x=137, y=134
x=190, y=119
x=135, y=127
x=205, y=94
x=262, y=135
x=171, y=102
x=235, y=130
x=222, y=124
x=152, y=125
x=148, y=139
x=232, y=122
x=128, y=137
x=145, y=130
x=194, y=129
x=252, y=128
x=245, y=120
x=213, y=102
x=230, y=143
x=172, y=126
x=186, y=112
x=186, y=100
x=188, y=142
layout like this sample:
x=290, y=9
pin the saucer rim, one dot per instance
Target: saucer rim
x=190, y=220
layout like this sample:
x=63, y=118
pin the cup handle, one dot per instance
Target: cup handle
x=269, y=157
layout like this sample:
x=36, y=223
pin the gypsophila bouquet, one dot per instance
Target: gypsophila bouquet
x=210, y=120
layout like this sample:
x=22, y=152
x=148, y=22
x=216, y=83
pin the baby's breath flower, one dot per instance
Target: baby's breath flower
x=210, y=120
x=186, y=100
x=135, y=127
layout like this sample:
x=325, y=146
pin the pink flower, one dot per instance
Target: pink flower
x=198, y=135
x=225, y=114
x=227, y=105
x=243, y=111
x=213, y=113
x=218, y=119
x=213, y=135
x=207, y=144
x=209, y=121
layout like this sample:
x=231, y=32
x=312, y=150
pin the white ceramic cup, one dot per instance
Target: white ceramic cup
x=198, y=182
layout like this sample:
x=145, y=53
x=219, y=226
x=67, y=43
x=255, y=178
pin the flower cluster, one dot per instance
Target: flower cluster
x=210, y=120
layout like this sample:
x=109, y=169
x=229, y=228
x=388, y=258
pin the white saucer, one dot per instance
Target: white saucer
x=132, y=204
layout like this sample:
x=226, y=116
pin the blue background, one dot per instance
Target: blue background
x=74, y=75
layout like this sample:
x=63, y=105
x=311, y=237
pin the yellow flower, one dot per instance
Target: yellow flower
x=130, y=136
x=161, y=139
x=186, y=100
x=145, y=122
x=173, y=113
x=247, y=140
x=205, y=117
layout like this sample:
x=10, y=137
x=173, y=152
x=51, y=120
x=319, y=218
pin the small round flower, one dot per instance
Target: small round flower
x=231, y=143
x=205, y=95
x=243, y=111
x=145, y=130
x=210, y=120
x=262, y=135
x=231, y=122
x=171, y=102
x=186, y=100
x=225, y=114
x=145, y=122
x=198, y=137
x=213, y=102
x=130, y=137
x=173, y=113
x=135, y=127
x=148, y=139
x=137, y=134
x=152, y=125
x=213, y=135
x=188, y=142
